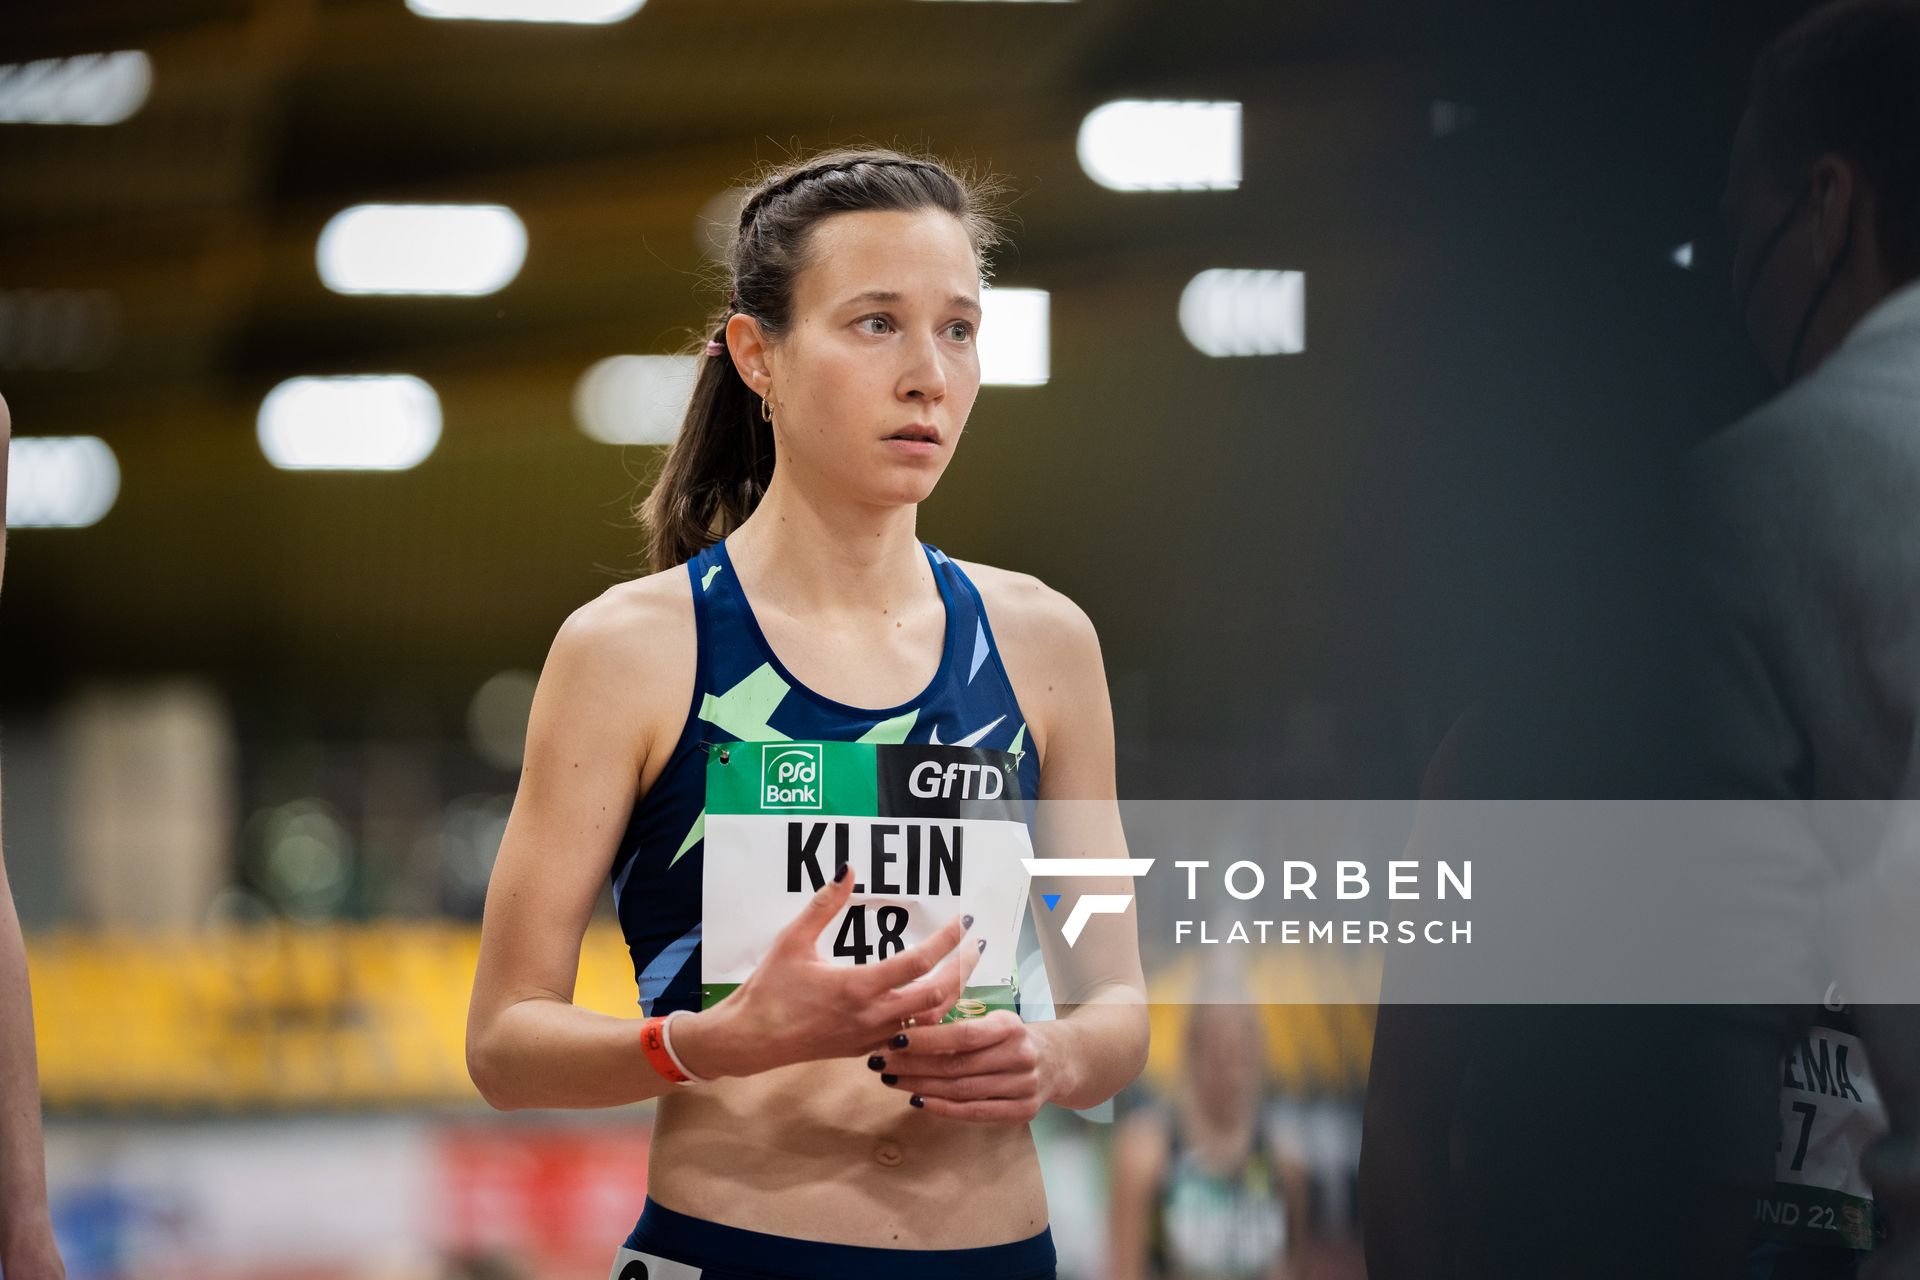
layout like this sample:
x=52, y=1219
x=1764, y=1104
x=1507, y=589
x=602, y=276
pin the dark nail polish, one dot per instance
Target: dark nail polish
x=840, y=872
x=876, y=1063
x=966, y=922
x=900, y=1041
x=889, y=1078
x=917, y=1100
x=982, y=946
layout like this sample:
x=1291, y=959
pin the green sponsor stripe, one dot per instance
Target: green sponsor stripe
x=1814, y=1216
x=992, y=998
x=840, y=775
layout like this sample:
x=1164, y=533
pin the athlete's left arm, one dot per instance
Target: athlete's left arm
x=1098, y=1036
x=999, y=1068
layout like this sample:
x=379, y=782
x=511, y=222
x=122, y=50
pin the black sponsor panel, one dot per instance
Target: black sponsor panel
x=923, y=781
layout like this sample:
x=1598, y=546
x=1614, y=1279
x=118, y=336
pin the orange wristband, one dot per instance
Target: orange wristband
x=653, y=1043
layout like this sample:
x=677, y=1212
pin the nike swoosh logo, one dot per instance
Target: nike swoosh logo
x=971, y=740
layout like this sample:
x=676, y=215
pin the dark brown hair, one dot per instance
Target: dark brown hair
x=722, y=460
x=1846, y=79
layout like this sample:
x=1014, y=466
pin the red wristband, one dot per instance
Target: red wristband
x=653, y=1043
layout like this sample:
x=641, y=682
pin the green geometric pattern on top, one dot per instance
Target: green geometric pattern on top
x=891, y=731
x=743, y=710
x=695, y=834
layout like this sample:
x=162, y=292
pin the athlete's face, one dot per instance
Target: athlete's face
x=878, y=370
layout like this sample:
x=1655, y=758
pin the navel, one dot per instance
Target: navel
x=889, y=1154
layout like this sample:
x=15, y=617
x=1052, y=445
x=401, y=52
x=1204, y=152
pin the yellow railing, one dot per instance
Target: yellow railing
x=283, y=1017
x=272, y=1017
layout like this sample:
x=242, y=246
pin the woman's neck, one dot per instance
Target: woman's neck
x=818, y=559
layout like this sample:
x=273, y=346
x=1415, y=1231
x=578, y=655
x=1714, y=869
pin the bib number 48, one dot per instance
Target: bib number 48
x=891, y=925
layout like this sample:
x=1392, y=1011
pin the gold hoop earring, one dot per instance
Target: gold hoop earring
x=766, y=408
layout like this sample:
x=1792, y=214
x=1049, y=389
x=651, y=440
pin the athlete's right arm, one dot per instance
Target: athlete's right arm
x=610, y=705
x=619, y=672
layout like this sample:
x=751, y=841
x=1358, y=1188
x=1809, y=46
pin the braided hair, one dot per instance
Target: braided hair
x=822, y=167
x=722, y=461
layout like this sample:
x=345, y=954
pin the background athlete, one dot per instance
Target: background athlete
x=1202, y=1187
x=829, y=403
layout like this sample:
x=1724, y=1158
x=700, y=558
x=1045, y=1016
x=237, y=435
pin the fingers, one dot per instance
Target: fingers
x=917, y=960
x=997, y=1086
x=992, y=1111
x=925, y=1057
x=928, y=999
x=985, y=1070
x=969, y=1039
x=822, y=908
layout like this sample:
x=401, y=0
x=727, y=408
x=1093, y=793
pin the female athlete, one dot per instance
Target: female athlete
x=806, y=751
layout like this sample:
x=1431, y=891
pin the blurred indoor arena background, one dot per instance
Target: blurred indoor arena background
x=1332, y=333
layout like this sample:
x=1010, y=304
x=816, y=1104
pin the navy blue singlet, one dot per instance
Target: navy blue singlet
x=743, y=693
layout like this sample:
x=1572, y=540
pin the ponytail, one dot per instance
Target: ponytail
x=718, y=468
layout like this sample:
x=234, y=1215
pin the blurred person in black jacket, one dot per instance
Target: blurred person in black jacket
x=1650, y=1141
x=1811, y=556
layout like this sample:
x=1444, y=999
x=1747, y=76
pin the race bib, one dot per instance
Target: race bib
x=930, y=832
x=1829, y=1114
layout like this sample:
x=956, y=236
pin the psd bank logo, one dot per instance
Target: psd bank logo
x=1087, y=905
x=790, y=776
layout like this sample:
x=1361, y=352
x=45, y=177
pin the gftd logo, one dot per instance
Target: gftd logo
x=1087, y=905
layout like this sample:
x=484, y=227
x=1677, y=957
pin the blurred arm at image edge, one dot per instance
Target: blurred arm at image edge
x=27, y=1250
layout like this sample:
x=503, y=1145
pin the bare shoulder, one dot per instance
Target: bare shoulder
x=1029, y=616
x=630, y=620
x=6, y=422
x=631, y=651
x=1050, y=650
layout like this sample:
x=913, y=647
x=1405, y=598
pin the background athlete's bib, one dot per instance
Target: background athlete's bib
x=1830, y=1113
x=930, y=831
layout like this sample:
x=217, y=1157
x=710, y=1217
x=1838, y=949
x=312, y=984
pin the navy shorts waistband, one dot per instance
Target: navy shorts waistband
x=702, y=1243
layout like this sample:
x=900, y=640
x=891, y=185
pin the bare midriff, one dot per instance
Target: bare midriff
x=825, y=1151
